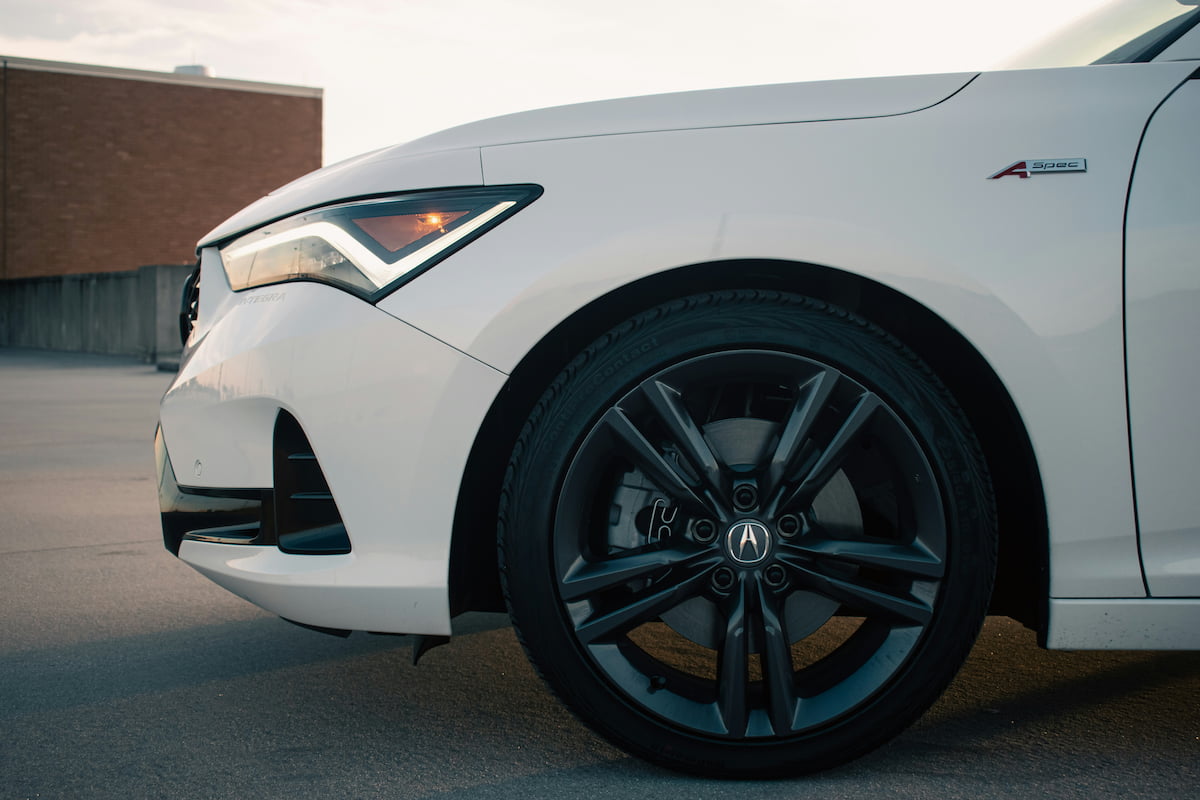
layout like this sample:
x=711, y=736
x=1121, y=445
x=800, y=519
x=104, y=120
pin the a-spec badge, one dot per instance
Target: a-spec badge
x=1031, y=167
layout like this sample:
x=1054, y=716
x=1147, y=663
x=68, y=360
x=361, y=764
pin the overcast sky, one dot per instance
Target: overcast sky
x=393, y=70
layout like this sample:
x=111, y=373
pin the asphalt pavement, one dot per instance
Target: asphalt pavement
x=123, y=673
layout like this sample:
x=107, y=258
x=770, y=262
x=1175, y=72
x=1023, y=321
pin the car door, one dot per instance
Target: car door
x=1162, y=297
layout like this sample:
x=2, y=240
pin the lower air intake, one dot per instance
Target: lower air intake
x=307, y=520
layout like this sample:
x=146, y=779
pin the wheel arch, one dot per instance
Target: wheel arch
x=1022, y=571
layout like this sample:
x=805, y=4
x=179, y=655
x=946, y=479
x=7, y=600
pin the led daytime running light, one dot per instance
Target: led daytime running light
x=332, y=245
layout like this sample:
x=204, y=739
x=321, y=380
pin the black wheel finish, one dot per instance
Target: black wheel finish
x=746, y=533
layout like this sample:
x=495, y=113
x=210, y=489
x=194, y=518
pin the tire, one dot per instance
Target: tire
x=747, y=534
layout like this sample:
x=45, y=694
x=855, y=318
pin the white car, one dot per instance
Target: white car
x=748, y=404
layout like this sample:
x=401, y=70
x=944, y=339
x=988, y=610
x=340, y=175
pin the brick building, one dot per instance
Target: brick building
x=108, y=169
x=105, y=170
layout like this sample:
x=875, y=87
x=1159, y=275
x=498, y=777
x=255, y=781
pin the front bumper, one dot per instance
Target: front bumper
x=390, y=415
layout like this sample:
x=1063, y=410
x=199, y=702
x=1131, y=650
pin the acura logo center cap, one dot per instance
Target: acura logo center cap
x=748, y=542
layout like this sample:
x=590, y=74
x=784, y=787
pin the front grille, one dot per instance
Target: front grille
x=189, y=305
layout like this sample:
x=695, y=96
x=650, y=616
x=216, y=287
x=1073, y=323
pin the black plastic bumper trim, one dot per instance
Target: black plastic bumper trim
x=228, y=516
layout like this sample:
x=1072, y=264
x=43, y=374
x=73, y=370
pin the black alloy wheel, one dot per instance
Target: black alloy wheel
x=746, y=533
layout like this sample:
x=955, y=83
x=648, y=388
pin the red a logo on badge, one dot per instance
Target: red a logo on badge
x=1018, y=169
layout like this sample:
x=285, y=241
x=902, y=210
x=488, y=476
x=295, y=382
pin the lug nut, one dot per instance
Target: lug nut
x=775, y=576
x=745, y=497
x=705, y=531
x=723, y=578
x=789, y=525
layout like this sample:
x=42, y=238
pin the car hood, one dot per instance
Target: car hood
x=450, y=157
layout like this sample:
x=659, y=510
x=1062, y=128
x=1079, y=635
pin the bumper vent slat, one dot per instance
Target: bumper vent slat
x=228, y=534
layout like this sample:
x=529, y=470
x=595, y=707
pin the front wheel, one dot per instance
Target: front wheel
x=747, y=533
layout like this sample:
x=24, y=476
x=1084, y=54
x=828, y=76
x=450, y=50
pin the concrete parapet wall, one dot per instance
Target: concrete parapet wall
x=134, y=313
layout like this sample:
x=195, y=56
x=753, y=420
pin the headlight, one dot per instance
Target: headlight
x=370, y=247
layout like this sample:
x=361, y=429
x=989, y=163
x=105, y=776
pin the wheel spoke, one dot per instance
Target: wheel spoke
x=662, y=472
x=810, y=399
x=587, y=578
x=833, y=456
x=869, y=600
x=732, y=675
x=776, y=658
x=667, y=403
x=913, y=560
x=645, y=606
